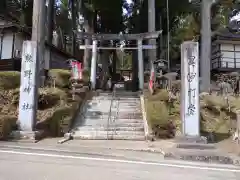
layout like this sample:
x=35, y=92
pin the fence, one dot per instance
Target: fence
x=10, y=65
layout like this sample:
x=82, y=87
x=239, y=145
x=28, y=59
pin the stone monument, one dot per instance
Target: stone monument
x=28, y=92
x=191, y=145
x=28, y=89
x=190, y=89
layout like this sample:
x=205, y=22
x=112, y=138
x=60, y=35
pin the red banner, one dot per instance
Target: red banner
x=151, y=82
x=76, y=70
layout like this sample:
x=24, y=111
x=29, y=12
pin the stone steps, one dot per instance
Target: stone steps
x=112, y=121
x=140, y=124
x=104, y=124
x=106, y=115
x=111, y=128
x=126, y=124
x=108, y=101
x=102, y=135
x=109, y=137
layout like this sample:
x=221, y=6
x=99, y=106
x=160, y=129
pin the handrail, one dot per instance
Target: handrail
x=110, y=111
x=115, y=117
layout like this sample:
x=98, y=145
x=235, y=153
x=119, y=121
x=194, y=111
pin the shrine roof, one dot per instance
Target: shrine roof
x=226, y=34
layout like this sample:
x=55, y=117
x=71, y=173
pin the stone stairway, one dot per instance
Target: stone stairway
x=105, y=117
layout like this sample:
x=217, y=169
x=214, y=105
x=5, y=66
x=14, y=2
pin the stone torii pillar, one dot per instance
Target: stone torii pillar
x=94, y=65
x=140, y=65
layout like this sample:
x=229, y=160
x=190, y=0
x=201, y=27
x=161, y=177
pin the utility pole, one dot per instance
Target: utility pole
x=38, y=32
x=151, y=28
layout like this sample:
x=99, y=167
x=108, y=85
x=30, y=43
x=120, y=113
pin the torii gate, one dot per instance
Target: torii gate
x=100, y=37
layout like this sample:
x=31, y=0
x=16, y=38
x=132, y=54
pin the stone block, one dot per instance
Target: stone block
x=29, y=136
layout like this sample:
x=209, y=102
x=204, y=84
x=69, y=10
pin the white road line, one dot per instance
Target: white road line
x=122, y=161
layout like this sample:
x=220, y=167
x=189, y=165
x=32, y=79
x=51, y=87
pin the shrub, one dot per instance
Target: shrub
x=6, y=125
x=8, y=105
x=9, y=80
x=61, y=77
x=55, y=120
x=58, y=119
x=55, y=110
x=176, y=85
x=159, y=119
x=61, y=119
x=214, y=101
x=159, y=95
x=217, y=114
x=49, y=97
x=86, y=75
x=158, y=113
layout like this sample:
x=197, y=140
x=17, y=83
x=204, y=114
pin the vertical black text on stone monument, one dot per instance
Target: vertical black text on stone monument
x=28, y=74
x=28, y=58
x=190, y=90
x=191, y=76
x=27, y=106
x=191, y=102
x=28, y=86
x=28, y=89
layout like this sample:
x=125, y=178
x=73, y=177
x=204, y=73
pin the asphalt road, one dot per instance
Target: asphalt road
x=17, y=164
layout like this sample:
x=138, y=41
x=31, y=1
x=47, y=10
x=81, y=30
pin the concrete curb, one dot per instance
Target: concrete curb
x=26, y=137
x=206, y=156
x=57, y=148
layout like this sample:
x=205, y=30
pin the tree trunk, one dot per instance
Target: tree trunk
x=87, y=52
x=104, y=58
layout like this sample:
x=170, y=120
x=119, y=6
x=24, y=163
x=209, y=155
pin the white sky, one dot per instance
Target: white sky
x=124, y=10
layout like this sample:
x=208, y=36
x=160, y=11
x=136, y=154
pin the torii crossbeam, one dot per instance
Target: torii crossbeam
x=95, y=36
